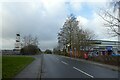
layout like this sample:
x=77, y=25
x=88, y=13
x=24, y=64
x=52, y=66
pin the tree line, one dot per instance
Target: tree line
x=72, y=37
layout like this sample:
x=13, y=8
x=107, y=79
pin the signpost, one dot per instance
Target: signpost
x=75, y=52
x=109, y=50
x=70, y=52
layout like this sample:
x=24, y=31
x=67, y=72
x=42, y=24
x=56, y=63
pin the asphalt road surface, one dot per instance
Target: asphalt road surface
x=55, y=66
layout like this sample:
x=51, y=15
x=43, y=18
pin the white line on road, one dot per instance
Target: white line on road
x=64, y=62
x=57, y=58
x=83, y=72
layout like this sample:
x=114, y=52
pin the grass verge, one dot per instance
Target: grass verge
x=0, y=67
x=11, y=65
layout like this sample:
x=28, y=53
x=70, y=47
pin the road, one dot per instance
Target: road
x=55, y=66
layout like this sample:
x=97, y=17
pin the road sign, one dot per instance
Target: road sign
x=109, y=48
x=70, y=50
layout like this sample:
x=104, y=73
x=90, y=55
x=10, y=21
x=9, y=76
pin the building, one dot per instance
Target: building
x=7, y=52
x=103, y=45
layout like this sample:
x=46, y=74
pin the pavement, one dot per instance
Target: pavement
x=33, y=70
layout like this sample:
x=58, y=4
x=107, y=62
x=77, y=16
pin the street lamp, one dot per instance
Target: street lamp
x=68, y=45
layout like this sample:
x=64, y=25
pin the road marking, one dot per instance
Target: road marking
x=57, y=58
x=83, y=72
x=64, y=62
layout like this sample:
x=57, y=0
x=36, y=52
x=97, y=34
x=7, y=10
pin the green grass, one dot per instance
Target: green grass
x=11, y=65
x=0, y=66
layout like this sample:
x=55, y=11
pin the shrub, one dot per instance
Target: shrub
x=30, y=50
x=48, y=51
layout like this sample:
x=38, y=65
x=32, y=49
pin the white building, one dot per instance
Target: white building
x=104, y=45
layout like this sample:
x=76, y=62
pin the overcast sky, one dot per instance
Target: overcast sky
x=44, y=18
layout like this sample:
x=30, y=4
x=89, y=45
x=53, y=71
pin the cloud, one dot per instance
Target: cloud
x=0, y=26
x=43, y=18
x=76, y=5
x=49, y=44
x=38, y=19
x=96, y=25
x=8, y=43
x=82, y=21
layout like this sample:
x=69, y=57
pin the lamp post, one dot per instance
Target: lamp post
x=68, y=50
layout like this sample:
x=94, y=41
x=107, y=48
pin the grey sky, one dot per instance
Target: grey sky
x=43, y=18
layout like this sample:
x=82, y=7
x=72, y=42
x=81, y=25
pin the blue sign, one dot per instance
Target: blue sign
x=70, y=50
x=109, y=47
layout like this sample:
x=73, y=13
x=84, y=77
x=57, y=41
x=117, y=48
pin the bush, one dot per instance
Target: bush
x=30, y=50
x=48, y=51
x=57, y=52
x=112, y=60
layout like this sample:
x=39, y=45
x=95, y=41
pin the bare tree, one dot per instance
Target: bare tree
x=71, y=35
x=112, y=20
x=116, y=6
x=30, y=40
